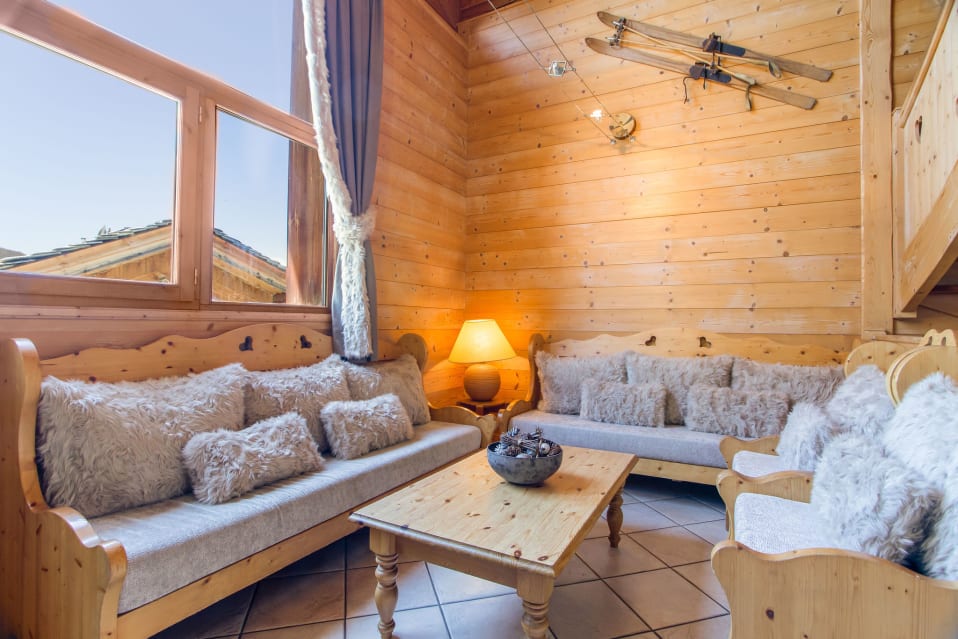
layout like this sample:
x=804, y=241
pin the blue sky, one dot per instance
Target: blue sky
x=81, y=150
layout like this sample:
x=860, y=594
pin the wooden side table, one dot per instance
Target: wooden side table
x=483, y=408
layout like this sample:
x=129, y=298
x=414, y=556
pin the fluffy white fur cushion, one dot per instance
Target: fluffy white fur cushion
x=939, y=551
x=226, y=464
x=355, y=428
x=803, y=439
x=105, y=447
x=621, y=403
x=870, y=501
x=304, y=390
x=861, y=403
x=678, y=375
x=560, y=378
x=713, y=409
x=923, y=431
x=400, y=376
x=814, y=384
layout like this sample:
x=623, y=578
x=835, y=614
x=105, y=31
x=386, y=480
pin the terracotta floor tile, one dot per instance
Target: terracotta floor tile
x=663, y=598
x=674, y=546
x=491, y=617
x=717, y=628
x=415, y=589
x=606, y=561
x=452, y=585
x=222, y=619
x=711, y=531
x=591, y=610
x=575, y=571
x=419, y=623
x=326, y=630
x=332, y=557
x=637, y=517
x=683, y=510
x=653, y=488
x=705, y=580
x=291, y=601
x=600, y=529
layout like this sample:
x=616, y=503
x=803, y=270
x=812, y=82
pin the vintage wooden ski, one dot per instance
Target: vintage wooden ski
x=720, y=47
x=698, y=71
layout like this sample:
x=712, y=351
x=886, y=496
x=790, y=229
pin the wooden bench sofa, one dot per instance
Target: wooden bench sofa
x=666, y=342
x=59, y=578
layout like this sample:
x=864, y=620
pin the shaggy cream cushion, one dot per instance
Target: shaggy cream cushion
x=861, y=404
x=803, y=439
x=814, y=384
x=939, y=550
x=355, y=428
x=560, y=378
x=226, y=464
x=400, y=376
x=621, y=403
x=870, y=501
x=712, y=409
x=678, y=375
x=105, y=447
x=304, y=390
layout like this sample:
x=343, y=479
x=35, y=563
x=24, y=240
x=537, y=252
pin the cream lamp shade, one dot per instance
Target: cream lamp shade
x=481, y=341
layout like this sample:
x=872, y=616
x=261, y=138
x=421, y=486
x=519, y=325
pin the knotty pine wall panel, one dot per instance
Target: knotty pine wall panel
x=419, y=241
x=716, y=217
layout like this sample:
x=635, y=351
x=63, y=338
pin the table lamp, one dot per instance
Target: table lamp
x=481, y=341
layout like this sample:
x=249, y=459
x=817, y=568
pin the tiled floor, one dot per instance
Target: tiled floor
x=657, y=584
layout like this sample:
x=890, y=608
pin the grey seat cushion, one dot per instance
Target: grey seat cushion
x=669, y=443
x=752, y=464
x=773, y=525
x=175, y=542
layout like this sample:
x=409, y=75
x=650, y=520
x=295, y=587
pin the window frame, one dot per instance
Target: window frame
x=198, y=96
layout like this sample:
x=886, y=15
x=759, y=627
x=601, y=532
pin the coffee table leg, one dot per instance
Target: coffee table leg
x=387, y=594
x=535, y=592
x=614, y=517
x=535, y=619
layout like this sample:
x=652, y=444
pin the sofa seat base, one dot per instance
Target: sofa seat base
x=675, y=444
x=173, y=543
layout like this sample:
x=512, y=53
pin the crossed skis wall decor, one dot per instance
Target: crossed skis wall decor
x=701, y=58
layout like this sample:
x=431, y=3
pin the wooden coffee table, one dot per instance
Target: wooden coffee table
x=465, y=517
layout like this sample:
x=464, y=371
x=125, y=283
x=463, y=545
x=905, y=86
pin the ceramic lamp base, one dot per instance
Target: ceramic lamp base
x=481, y=382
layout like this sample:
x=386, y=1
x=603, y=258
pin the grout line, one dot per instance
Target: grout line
x=249, y=608
x=435, y=593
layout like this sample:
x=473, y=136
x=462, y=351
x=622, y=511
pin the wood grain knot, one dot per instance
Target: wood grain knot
x=247, y=344
x=305, y=343
x=770, y=613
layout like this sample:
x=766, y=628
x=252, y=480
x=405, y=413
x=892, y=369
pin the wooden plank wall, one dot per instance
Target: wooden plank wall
x=716, y=217
x=419, y=243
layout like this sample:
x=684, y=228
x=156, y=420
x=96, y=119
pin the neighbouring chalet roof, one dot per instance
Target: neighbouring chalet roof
x=107, y=235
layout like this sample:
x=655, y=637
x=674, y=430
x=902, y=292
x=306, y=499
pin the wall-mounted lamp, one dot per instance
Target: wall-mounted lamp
x=481, y=341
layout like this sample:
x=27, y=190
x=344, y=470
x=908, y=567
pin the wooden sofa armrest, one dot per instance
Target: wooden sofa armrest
x=788, y=484
x=831, y=593
x=57, y=577
x=488, y=424
x=731, y=445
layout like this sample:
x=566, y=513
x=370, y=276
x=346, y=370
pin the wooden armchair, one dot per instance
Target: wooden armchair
x=829, y=592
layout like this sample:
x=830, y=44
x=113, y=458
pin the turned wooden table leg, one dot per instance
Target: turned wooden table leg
x=535, y=590
x=387, y=594
x=614, y=517
x=535, y=619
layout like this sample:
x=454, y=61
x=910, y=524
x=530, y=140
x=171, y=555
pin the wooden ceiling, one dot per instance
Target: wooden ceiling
x=455, y=11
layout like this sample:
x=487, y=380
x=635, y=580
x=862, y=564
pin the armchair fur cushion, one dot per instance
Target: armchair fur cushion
x=807, y=428
x=105, y=447
x=814, y=384
x=713, y=409
x=400, y=376
x=304, y=390
x=621, y=403
x=870, y=501
x=861, y=403
x=355, y=428
x=226, y=464
x=678, y=375
x=560, y=378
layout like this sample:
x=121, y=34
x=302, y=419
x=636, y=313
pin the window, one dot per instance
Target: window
x=134, y=179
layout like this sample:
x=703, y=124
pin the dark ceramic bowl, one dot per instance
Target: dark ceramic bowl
x=525, y=471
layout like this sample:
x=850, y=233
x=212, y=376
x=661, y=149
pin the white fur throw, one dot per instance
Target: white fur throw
x=226, y=464
x=712, y=409
x=814, y=384
x=304, y=390
x=105, y=447
x=400, y=376
x=621, y=403
x=803, y=439
x=861, y=403
x=560, y=378
x=924, y=429
x=939, y=551
x=870, y=501
x=355, y=428
x=678, y=375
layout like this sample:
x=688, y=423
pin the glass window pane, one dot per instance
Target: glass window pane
x=87, y=169
x=264, y=180
x=245, y=43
